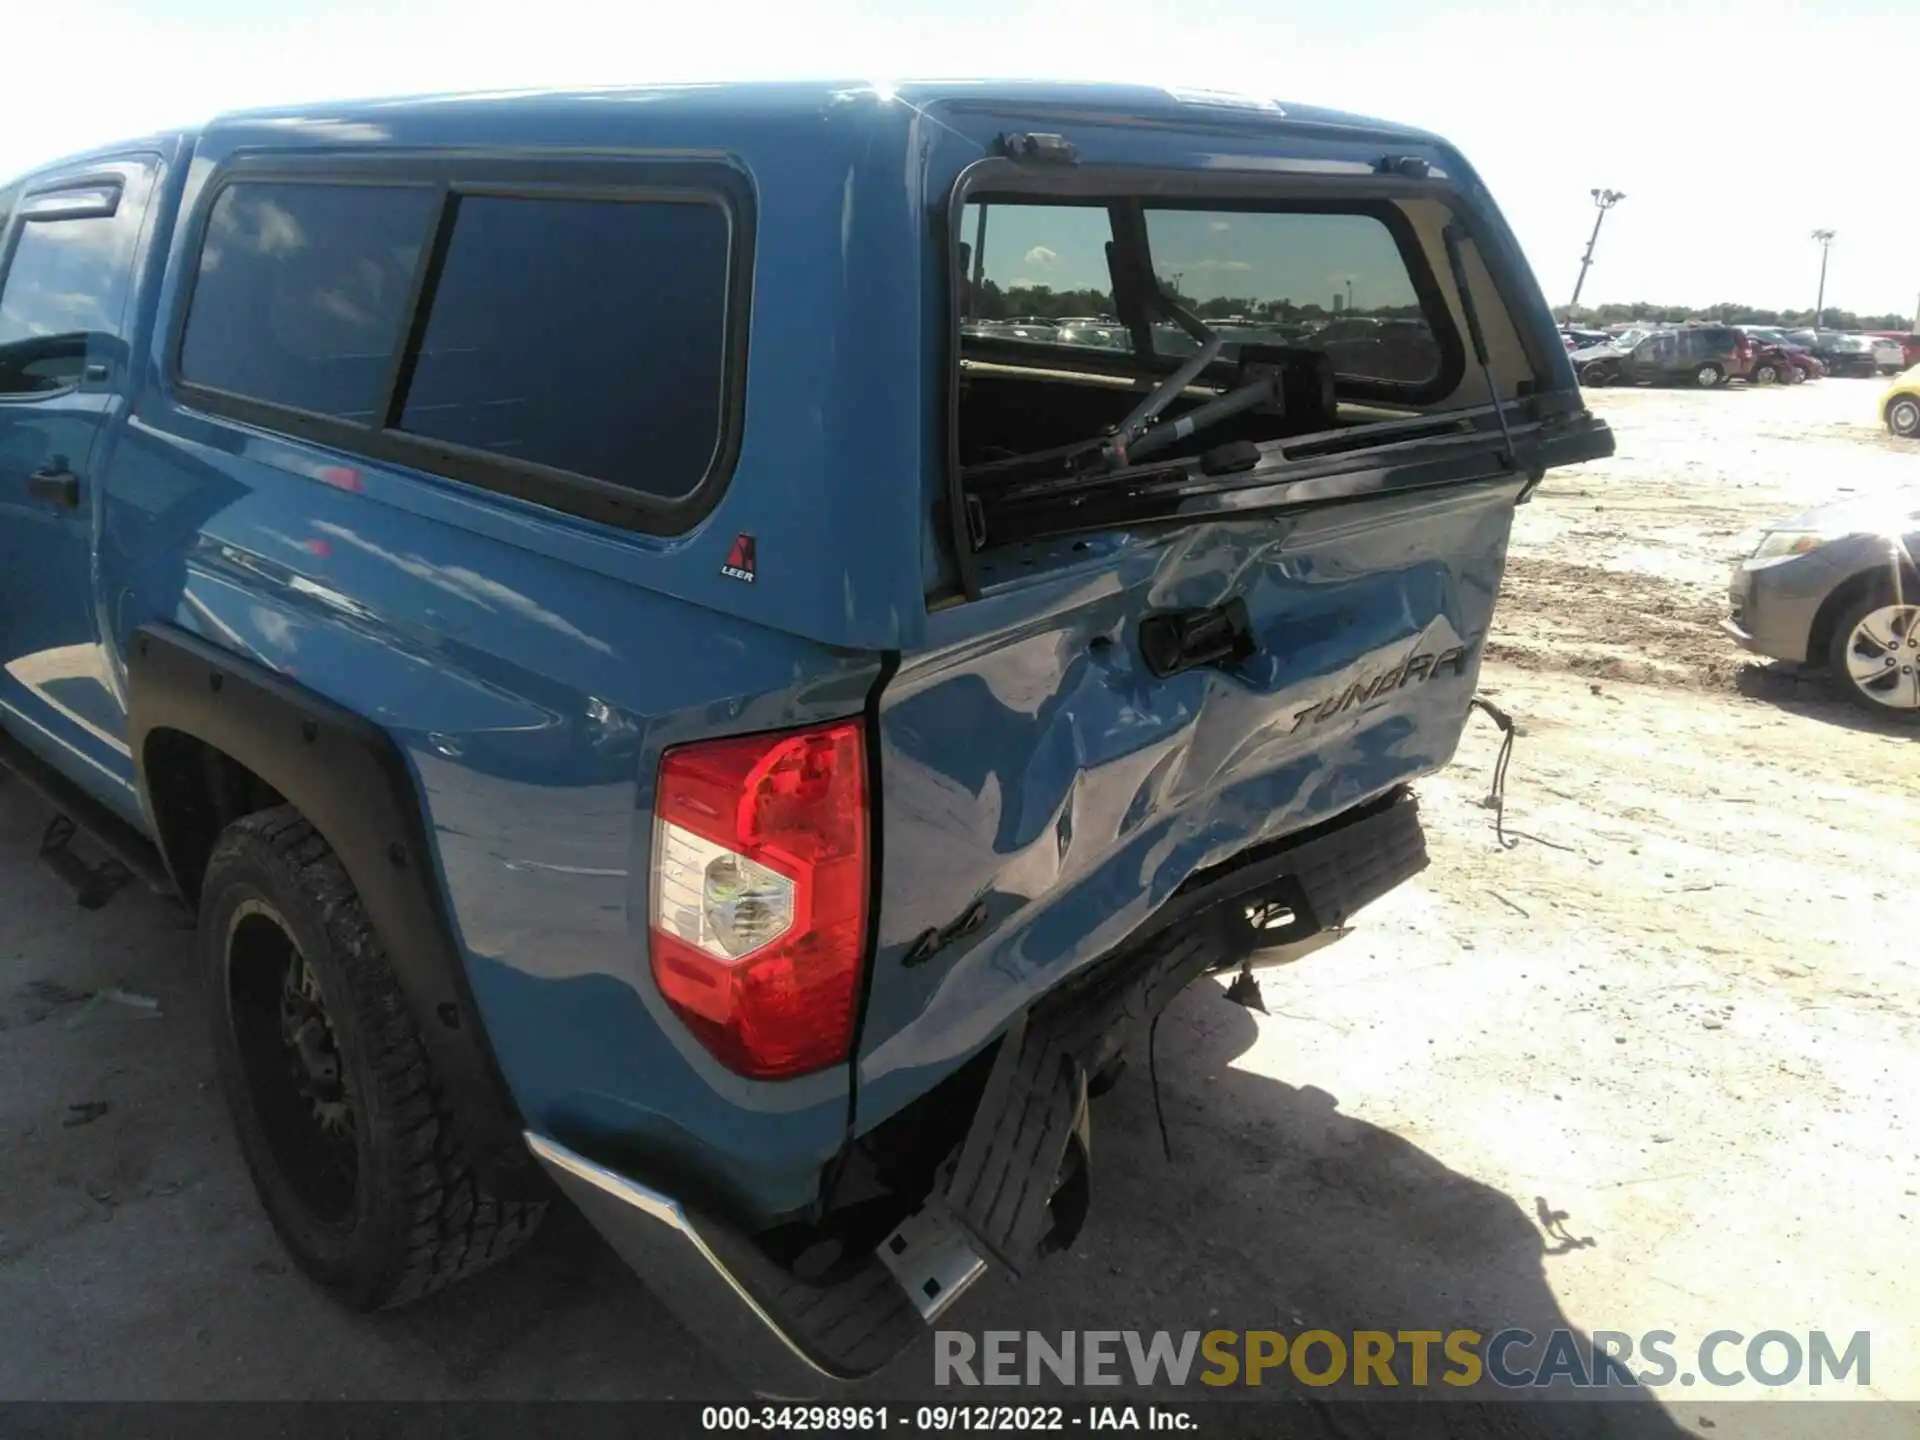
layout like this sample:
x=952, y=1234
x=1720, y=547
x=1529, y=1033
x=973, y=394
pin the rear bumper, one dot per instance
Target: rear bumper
x=784, y=1338
x=1001, y=1197
x=662, y=1240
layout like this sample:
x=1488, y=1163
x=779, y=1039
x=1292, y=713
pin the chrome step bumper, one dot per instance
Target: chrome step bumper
x=786, y=1339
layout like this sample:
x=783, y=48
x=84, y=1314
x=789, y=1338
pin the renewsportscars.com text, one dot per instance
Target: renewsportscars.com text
x=1509, y=1359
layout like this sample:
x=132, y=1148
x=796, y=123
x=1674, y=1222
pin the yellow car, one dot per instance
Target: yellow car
x=1900, y=406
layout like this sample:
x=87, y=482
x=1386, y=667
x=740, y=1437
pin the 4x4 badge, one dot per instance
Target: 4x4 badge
x=739, y=564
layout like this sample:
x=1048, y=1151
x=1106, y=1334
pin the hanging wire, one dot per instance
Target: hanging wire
x=1153, y=1077
x=1497, y=797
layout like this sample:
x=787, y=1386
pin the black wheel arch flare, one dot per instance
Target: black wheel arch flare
x=350, y=779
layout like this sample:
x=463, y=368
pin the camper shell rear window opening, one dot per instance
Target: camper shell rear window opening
x=1127, y=359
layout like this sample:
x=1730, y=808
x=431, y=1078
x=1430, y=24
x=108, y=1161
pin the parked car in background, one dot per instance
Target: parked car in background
x=1599, y=365
x=1909, y=343
x=1838, y=587
x=1842, y=354
x=1632, y=335
x=1396, y=350
x=1900, y=406
x=1773, y=364
x=1170, y=339
x=1703, y=355
x=1351, y=328
x=1103, y=334
x=1041, y=331
x=1029, y=328
x=1580, y=338
x=1889, y=355
x=1805, y=362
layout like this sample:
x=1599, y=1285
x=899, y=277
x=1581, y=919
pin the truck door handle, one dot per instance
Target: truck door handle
x=54, y=483
x=1176, y=640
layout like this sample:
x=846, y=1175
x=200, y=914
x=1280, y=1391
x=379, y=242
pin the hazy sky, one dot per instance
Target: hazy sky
x=1734, y=128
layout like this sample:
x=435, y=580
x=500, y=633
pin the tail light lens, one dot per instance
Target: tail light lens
x=759, y=906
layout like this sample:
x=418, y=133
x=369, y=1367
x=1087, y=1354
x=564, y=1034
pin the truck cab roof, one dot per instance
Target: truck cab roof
x=372, y=121
x=775, y=99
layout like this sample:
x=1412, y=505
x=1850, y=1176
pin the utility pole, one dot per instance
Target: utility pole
x=1604, y=200
x=1825, y=237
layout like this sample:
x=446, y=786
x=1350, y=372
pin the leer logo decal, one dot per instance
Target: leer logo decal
x=739, y=564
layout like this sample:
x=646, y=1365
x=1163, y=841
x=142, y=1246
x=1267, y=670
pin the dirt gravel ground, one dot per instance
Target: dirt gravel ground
x=1649, y=1066
x=1619, y=570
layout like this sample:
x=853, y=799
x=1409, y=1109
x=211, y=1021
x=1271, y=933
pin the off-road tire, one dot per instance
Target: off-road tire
x=419, y=1219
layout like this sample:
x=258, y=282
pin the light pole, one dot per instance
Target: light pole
x=1825, y=237
x=1604, y=200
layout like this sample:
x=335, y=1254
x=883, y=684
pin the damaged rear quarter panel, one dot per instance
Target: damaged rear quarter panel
x=1045, y=793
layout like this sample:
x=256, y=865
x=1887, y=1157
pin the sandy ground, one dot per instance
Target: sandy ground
x=1620, y=569
x=1650, y=1067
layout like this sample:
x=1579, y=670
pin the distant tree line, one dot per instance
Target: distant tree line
x=1830, y=318
x=1042, y=302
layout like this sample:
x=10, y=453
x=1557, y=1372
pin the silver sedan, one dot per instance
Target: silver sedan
x=1839, y=587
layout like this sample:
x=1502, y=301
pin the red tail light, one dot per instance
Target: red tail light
x=759, y=906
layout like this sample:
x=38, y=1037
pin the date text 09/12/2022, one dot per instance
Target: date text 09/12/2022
x=945, y=1419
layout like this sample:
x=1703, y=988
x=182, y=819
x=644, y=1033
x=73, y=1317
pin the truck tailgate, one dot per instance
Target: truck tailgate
x=1044, y=791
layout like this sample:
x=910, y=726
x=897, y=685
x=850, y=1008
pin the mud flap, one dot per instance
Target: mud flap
x=1021, y=1181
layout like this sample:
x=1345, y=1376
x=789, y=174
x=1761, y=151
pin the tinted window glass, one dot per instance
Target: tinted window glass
x=302, y=292
x=585, y=335
x=67, y=281
x=1334, y=282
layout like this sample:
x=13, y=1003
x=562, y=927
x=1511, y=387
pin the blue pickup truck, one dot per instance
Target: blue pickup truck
x=723, y=651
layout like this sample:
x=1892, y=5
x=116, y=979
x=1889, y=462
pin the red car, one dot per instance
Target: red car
x=1776, y=364
x=1788, y=363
